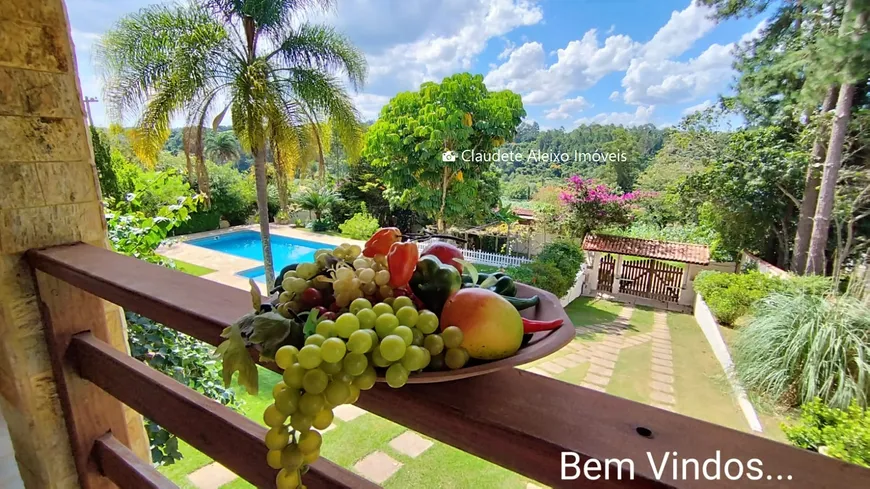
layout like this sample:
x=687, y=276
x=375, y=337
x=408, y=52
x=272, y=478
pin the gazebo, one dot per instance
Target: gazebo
x=631, y=268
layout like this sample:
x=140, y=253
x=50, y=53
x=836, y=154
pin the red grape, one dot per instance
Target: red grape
x=328, y=315
x=312, y=297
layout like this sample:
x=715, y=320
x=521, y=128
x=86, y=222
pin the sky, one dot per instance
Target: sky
x=574, y=62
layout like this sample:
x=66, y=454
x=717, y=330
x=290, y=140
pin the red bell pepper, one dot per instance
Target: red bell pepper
x=380, y=242
x=533, y=325
x=402, y=260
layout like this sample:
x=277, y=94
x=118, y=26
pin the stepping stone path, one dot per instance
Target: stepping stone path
x=347, y=412
x=377, y=467
x=662, y=375
x=410, y=444
x=603, y=354
x=212, y=476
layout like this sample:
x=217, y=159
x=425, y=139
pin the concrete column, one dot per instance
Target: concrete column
x=687, y=292
x=595, y=267
x=50, y=196
x=617, y=274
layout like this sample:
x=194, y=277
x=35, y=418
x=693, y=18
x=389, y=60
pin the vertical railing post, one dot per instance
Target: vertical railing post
x=89, y=412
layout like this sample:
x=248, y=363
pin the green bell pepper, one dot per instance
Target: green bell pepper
x=434, y=282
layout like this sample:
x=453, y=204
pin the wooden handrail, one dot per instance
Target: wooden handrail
x=516, y=419
x=124, y=468
x=212, y=428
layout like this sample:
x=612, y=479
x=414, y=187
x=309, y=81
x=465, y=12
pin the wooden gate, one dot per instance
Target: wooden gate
x=605, y=272
x=652, y=279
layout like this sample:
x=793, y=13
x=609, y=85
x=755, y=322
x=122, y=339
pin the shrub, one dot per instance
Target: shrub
x=199, y=222
x=230, y=194
x=361, y=226
x=730, y=295
x=181, y=357
x=543, y=275
x=156, y=189
x=799, y=346
x=342, y=210
x=321, y=225
x=841, y=434
x=565, y=254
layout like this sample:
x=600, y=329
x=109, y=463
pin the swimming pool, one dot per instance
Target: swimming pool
x=246, y=244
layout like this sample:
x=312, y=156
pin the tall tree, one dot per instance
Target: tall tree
x=257, y=58
x=839, y=126
x=221, y=147
x=435, y=145
x=811, y=190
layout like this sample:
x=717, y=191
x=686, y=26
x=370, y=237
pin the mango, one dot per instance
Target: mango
x=492, y=328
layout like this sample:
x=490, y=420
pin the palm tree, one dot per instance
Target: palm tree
x=191, y=141
x=317, y=200
x=257, y=58
x=222, y=147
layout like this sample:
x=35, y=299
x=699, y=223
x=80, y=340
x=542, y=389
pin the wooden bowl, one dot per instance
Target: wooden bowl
x=540, y=345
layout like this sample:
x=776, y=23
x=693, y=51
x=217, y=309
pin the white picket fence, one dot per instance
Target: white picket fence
x=486, y=258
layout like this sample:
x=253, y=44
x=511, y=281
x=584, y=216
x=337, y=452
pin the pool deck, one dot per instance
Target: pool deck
x=227, y=265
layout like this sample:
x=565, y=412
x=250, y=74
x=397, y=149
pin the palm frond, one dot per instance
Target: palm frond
x=146, y=49
x=324, y=96
x=321, y=47
x=268, y=15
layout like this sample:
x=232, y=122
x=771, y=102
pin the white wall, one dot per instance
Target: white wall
x=9, y=475
x=710, y=328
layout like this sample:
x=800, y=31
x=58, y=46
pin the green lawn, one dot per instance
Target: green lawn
x=631, y=376
x=191, y=269
x=641, y=320
x=702, y=390
x=350, y=442
x=586, y=311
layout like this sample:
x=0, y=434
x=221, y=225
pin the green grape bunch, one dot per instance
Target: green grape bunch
x=340, y=359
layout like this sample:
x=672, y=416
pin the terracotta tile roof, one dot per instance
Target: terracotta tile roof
x=648, y=248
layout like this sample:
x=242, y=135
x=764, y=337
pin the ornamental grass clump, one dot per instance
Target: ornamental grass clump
x=799, y=346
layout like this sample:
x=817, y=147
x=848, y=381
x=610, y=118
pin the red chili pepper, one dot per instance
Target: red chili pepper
x=533, y=325
x=402, y=260
x=380, y=242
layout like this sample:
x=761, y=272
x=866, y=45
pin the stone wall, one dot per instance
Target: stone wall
x=50, y=196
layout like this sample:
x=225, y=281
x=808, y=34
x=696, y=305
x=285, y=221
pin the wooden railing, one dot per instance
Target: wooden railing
x=516, y=419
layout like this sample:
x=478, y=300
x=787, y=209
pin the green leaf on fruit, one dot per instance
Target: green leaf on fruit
x=235, y=358
x=489, y=282
x=256, y=297
x=469, y=268
x=311, y=324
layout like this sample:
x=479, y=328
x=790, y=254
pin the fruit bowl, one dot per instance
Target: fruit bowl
x=538, y=346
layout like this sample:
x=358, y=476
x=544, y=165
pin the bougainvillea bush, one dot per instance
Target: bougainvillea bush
x=586, y=205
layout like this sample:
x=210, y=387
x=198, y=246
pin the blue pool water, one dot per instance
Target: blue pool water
x=246, y=244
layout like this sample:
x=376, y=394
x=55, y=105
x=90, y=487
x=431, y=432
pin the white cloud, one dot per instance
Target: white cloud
x=509, y=47
x=680, y=32
x=614, y=96
x=579, y=65
x=437, y=56
x=642, y=115
x=369, y=104
x=753, y=34
x=667, y=82
x=698, y=108
x=83, y=40
x=568, y=108
x=655, y=78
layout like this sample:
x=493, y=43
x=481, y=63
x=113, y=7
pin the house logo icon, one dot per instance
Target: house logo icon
x=449, y=156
